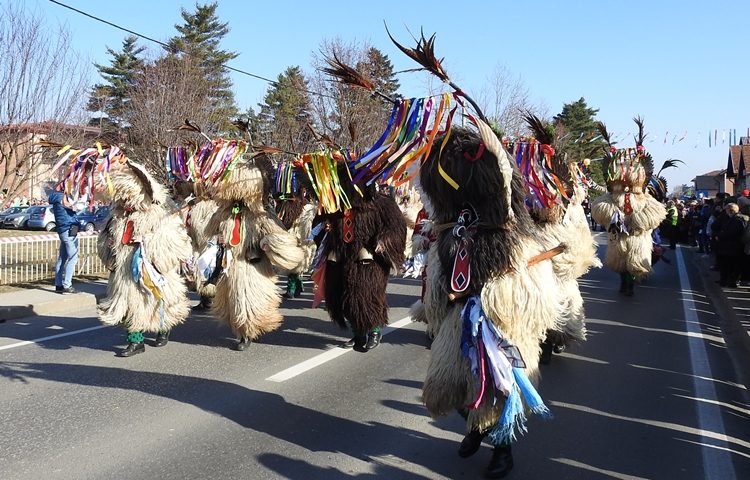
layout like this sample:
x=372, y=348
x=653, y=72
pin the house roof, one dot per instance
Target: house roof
x=739, y=159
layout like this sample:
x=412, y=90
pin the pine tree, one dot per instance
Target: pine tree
x=577, y=119
x=286, y=112
x=108, y=101
x=199, y=37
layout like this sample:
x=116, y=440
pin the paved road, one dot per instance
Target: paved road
x=653, y=394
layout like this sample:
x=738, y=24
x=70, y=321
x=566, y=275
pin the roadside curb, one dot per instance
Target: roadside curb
x=51, y=303
x=734, y=332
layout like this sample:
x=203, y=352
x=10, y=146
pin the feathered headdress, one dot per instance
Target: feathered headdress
x=625, y=169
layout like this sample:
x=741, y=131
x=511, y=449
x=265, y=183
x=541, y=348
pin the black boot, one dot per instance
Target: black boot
x=205, y=304
x=623, y=283
x=470, y=444
x=373, y=340
x=299, y=288
x=242, y=344
x=501, y=463
x=162, y=338
x=355, y=341
x=546, y=356
x=132, y=349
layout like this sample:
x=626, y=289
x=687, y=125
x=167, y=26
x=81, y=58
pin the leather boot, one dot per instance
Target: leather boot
x=501, y=463
x=242, y=344
x=162, y=338
x=299, y=288
x=629, y=284
x=470, y=444
x=132, y=349
x=623, y=283
x=373, y=340
x=355, y=341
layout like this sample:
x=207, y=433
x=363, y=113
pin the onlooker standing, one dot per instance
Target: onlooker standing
x=67, y=229
x=672, y=218
x=729, y=247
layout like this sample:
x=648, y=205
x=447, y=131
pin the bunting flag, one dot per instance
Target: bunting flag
x=285, y=179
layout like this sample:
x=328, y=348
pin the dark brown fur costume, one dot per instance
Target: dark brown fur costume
x=355, y=290
x=491, y=254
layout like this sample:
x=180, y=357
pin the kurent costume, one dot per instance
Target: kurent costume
x=249, y=244
x=491, y=289
x=296, y=211
x=362, y=243
x=555, y=195
x=628, y=209
x=142, y=245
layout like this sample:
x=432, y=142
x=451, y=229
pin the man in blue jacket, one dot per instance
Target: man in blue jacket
x=67, y=229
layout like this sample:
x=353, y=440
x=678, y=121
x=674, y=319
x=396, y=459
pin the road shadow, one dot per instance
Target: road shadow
x=260, y=411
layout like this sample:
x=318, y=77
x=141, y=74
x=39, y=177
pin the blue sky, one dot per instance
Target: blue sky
x=682, y=65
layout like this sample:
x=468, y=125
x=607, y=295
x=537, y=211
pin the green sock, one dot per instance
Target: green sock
x=135, y=337
x=375, y=330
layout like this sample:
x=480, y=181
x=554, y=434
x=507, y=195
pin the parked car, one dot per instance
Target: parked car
x=90, y=221
x=41, y=218
x=20, y=219
x=10, y=211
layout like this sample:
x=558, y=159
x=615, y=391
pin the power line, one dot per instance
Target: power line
x=171, y=48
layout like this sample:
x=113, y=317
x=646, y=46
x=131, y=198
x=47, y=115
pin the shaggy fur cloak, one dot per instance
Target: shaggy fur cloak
x=246, y=294
x=522, y=300
x=139, y=199
x=197, y=221
x=629, y=252
x=357, y=273
x=297, y=215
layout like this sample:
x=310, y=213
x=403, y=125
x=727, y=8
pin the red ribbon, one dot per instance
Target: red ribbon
x=477, y=156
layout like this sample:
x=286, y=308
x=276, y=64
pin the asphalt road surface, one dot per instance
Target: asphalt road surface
x=654, y=393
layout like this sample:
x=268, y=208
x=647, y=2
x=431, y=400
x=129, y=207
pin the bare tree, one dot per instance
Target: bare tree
x=505, y=99
x=170, y=90
x=42, y=93
x=353, y=117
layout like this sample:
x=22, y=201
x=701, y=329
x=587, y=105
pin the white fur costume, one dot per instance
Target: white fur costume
x=165, y=243
x=246, y=294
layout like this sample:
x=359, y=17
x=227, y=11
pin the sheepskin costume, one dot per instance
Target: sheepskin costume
x=363, y=245
x=563, y=221
x=140, y=226
x=197, y=222
x=511, y=282
x=297, y=215
x=631, y=213
x=246, y=294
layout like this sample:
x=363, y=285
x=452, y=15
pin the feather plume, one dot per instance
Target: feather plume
x=670, y=163
x=268, y=150
x=242, y=125
x=647, y=161
x=602, y=128
x=346, y=74
x=639, y=139
x=424, y=54
x=543, y=131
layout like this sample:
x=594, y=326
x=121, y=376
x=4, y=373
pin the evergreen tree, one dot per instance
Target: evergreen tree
x=199, y=37
x=577, y=119
x=286, y=112
x=108, y=101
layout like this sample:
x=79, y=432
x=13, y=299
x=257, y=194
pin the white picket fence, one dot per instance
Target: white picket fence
x=32, y=258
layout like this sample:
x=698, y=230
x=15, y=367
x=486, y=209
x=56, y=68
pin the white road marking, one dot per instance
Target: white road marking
x=327, y=356
x=717, y=463
x=52, y=337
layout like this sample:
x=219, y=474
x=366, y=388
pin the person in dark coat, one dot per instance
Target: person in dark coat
x=729, y=246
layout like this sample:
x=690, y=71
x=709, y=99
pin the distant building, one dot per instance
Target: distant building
x=739, y=159
x=710, y=183
x=26, y=167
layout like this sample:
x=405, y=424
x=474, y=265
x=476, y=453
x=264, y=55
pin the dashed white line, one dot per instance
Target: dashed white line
x=52, y=337
x=327, y=356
